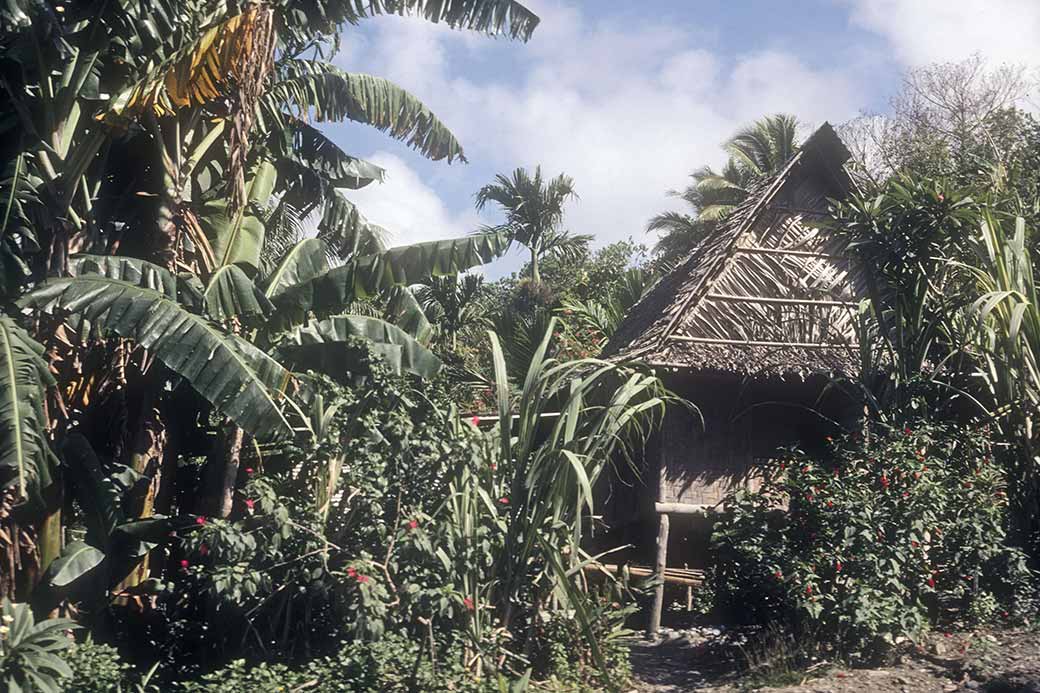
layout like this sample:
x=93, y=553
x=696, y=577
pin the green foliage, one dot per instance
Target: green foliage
x=31, y=652
x=96, y=668
x=26, y=460
x=877, y=542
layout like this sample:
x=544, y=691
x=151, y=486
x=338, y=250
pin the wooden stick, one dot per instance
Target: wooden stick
x=682, y=508
x=673, y=576
x=781, y=301
x=752, y=342
x=689, y=591
x=756, y=250
x=659, y=570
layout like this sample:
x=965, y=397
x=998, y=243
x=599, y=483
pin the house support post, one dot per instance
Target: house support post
x=659, y=566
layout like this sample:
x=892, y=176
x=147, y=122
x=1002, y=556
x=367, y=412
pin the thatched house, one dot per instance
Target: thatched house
x=751, y=327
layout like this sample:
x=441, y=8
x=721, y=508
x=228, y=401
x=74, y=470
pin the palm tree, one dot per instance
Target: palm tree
x=756, y=151
x=450, y=303
x=534, y=213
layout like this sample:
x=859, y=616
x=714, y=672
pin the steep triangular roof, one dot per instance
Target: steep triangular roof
x=769, y=292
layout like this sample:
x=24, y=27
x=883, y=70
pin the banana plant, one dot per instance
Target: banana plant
x=176, y=142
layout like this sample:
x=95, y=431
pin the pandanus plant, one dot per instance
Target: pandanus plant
x=158, y=161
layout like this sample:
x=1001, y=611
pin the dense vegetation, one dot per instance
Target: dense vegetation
x=241, y=442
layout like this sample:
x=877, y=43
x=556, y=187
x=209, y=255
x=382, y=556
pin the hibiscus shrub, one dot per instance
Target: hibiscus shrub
x=876, y=542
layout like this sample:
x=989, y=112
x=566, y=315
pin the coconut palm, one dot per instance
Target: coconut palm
x=534, y=213
x=756, y=151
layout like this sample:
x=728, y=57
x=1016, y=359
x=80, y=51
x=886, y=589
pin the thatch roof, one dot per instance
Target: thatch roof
x=770, y=292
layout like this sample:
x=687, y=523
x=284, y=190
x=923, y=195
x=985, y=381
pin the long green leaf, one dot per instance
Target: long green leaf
x=239, y=380
x=369, y=275
x=26, y=459
x=322, y=345
x=78, y=559
x=326, y=93
x=231, y=294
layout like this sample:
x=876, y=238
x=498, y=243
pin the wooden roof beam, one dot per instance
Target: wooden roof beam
x=733, y=298
x=752, y=342
x=757, y=250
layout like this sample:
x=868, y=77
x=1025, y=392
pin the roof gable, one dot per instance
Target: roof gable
x=770, y=291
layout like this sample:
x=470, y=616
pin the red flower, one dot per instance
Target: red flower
x=941, y=197
x=884, y=481
x=779, y=575
x=917, y=475
x=475, y=421
x=931, y=582
x=914, y=544
x=808, y=589
x=1004, y=614
x=249, y=470
x=362, y=578
x=837, y=566
x=249, y=503
x=200, y=520
x=906, y=494
x=413, y=524
x=493, y=466
x=805, y=468
x=351, y=572
x=808, y=497
x=830, y=504
x=468, y=603
x=203, y=549
x=503, y=500
x=185, y=564
x=967, y=484
x=907, y=430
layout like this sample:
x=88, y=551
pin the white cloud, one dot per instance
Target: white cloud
x=627, y=108
x=924, y=31
x=407, y=207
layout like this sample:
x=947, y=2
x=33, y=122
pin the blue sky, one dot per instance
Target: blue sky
x=629, y=97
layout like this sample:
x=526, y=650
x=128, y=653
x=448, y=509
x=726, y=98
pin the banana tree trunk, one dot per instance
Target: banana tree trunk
x=146, y=458
x=222, y=473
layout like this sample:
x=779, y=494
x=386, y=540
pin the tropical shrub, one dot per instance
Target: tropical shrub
x=880, y=540
x=31, y=652
x=96, y=668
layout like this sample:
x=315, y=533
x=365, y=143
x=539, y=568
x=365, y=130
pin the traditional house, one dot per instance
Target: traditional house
x=751, y=328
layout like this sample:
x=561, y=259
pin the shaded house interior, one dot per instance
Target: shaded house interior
x=751, y=328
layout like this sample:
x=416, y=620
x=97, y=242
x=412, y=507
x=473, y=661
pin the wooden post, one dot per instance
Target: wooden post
x=662, y=560
x=689, y=591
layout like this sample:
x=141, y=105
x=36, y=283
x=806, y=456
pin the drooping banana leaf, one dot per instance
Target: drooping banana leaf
x=346, y=231
x=404, y=311
x=239, y=238
x=323, y=92
x=307, y=150
x=76, y=560
x=304, y=261
x=242, y=382
x=26, y=459
x=194, y=65
x=370, y=274
x=128, y=269
x=231, y=294
x=324, y=345
x=496, y=17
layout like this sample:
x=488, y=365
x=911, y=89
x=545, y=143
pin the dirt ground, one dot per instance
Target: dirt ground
x=991, y=661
